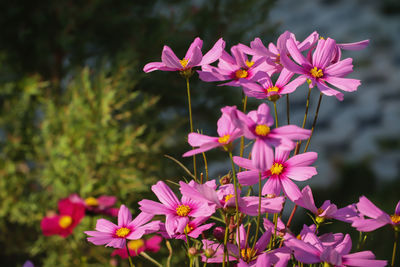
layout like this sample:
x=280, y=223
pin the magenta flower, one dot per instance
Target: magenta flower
x=177, y=212
x=265, y=88
x=193, y=229
x=115, y=235
x=227, y=132
x=232, y=68
x=256, y=125
x=311, y=250
x=140, y=245
x=319, y=70
x=101, y=205
x=225, y=198
x=281, y=171
x=71, y=213
x=327, y=210
x=193, y=57
x=377, y=217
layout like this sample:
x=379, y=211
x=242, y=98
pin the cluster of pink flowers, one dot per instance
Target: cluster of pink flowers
x=274, y=158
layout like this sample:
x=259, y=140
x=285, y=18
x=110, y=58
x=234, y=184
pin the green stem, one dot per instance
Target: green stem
x=226, y=257
x=314, y=122
x=396, y=239
x=259, y=210
x=304, y=119
x=129, y=255
x=146, y=256
x=205, y=165
x=191, y=124
x=168, y=244
x=236, y=198
x=288, y=109
x=244, y=100
x=276, y=115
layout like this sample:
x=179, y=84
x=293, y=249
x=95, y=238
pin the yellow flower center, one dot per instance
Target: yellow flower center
x=241, y=74
x=316, y=73
x=122, y=232
x=320, y=211
x=395, y=218
x=188, y=228
x=248, y=254
x=135, y=244
x=273, y=89
x=249, y=63
x=91, y=201
x=227, y=197
x=65, y=221
x=224, y=139
x=278, y=59
x=262, y=130
x=276, y=168
x=184, y=62
x=183, y=210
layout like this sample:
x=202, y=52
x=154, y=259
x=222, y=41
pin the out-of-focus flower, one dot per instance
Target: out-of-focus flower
x=177, y=212
x=70, y=214
x=256, y=125
x=318, y=67
x=281, y=172
x=327, y=210
x=140, y=245
x=227, y=132
x=101, y=205
x=377, y=217
x=111, y=235
x=193, y=57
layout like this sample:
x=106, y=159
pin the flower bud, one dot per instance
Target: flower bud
x=225, y=179
x=219, y=233
x=209, y=252
x=192, y=251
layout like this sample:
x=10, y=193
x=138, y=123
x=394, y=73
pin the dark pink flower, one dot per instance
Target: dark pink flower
x=377, y=217
x=139, y=245
x=70, y=214
x=280, y=172
x=111, y=235
x=256, y=125
x=193, y=57
x=101, y=205
x=227, y=132
x=177, y=212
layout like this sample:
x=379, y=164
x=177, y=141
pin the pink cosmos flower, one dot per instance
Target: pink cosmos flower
x=101, y=205
x=377, y=217
x=281, y=171
x=193, y=57
x=225, y=198
x=115, y=235
x=140, y=245
x=177, y=212
x=311, y=250
x=70, y=214
x=273, y=52
x=318, y=68
x=265, y=88
x=327, y=210
x=256, y=125
x=232, y=68
x=193, y=229
x=227, y=132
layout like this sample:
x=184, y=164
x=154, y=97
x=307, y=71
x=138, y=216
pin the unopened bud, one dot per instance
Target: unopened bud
x=219, y=233
x=209, y=252
x=192, y=251
x=225, y=179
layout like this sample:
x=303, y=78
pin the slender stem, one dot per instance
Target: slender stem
x=304, y=119
x=236, y=199
x=275, y=221
x=291, y=216
x=396, y=239
x=191, y=124
x=146, y=256
x=244, y=100
x=314, y=122
x=225, y=242
x=205, y=165
x=276, y=115
x=129, y=255
x=288, y=109
x=259, y=211
x=168, y=244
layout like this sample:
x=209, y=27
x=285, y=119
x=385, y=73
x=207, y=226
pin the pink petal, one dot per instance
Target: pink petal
x=141, y=219
x=354, y=46
x=307, y=200
x=99, y=238
x=195, y=59
x=367, y=225
x=295, y=53
x=292, y=132
x=169, y=58
x=124, y=216
x=300, y=173
x=303, y=159
x=262, y=155
x=105, y=226
x=292, y=86
x=367, y=208
x=197, y=43
x=281, y=154
x=323, y=53
x=397, y=210
x=309, y=41
x=165, y=195
x=284, y=78
x=214, y=53
x=248, y=177
x=291, y=66
x=152, y=66
x=272, y=186
x=264, y=115
x=196, y=139
x=346, y=84
x=340, y=69
x=291, y=190
x=225, y=125
x=329, y=91
x=259, y=48
x=153, y=207
x=201, y=149
x=116, y=243
x=243, y=162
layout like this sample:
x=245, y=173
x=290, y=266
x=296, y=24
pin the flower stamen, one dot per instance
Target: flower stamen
x=184, y=62
x=91, y=201
x=224, y=139
x=276, y=168
x=395, y=218
x=182, y=210
x=65, y=221
x=241, y=74
x=316, y=73
x=249, y=63
x=262, y=130
x=122, y=232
